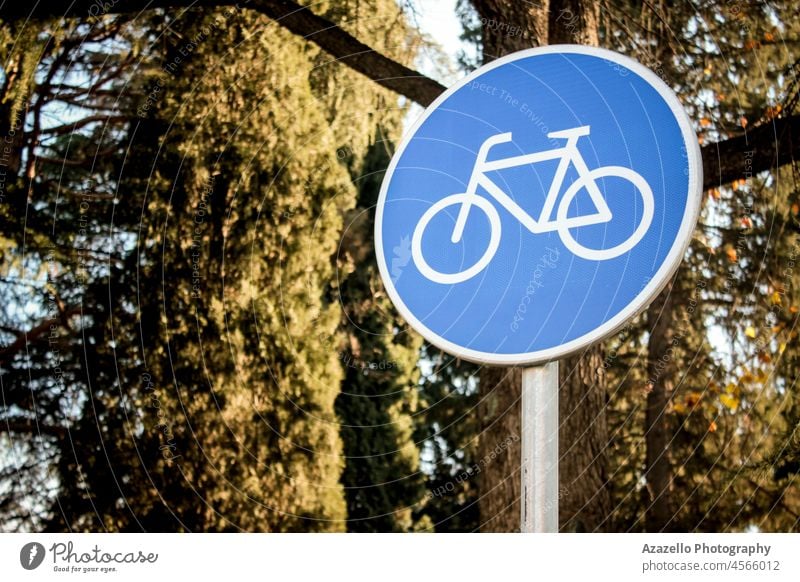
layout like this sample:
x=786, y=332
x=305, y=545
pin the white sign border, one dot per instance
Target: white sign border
x=650, y=291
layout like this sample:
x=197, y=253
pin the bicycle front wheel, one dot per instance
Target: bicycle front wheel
x=460, y=276
x=648, y=206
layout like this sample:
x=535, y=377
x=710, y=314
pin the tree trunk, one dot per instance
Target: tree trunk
x=499, y=482
x=585, y=500
x=510, y=26
x=658, y=472
x=574, y=22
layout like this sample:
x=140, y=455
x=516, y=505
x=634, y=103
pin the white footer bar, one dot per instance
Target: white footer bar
x=400, y=557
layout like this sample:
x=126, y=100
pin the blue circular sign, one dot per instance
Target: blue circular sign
x=538, y=204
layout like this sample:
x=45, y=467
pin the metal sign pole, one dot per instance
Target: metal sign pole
x=540, y=449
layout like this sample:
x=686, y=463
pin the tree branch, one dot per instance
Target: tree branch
x=30, y=426
x=298, y=19
x=85, y=163
x=763, y=148
x=24, y=338
x=74, y=126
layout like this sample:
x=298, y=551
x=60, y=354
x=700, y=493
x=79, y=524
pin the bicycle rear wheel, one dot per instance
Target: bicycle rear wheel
x=460, y=276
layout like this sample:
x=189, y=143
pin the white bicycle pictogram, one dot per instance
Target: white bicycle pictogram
x=569, y=154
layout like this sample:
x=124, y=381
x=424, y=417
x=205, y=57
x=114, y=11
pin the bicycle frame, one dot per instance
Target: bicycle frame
x=567, y=154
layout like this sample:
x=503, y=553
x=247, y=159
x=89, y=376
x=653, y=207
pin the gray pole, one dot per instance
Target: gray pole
x=540, y=449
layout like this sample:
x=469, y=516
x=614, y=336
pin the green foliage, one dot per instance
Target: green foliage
x=449, y=427
x=731, y=373
x=733, y=414
x=382, y=479
x=204, y=369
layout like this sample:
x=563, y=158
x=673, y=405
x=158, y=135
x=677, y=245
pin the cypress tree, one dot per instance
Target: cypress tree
x=207, y=364
x=382, y=479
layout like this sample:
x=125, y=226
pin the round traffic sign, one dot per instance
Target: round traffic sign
x=538, y=204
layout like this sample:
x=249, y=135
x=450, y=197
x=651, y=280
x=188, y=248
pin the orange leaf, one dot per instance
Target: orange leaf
x=743, y=122
x=746, y=222
x=712, y=427
x=705, y=122
x=731, y=252
x=773, y=112
x=692, y=399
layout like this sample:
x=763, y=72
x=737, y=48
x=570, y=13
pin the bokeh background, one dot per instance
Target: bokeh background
x=193, y=332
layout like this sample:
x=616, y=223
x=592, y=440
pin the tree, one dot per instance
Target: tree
x=771, y=144
x=46, y=269
x=450, y=429
x=382, y=479
x=241, y=210
x=695, y=463
x=703, y=402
